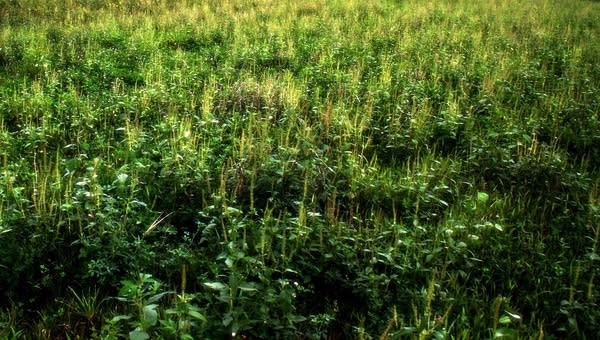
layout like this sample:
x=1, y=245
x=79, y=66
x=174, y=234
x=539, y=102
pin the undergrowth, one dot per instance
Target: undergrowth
x=309, y=170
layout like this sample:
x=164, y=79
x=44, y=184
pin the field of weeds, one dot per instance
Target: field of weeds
x=312, y=169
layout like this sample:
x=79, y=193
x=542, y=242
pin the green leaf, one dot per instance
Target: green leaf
x=593, y=256
x=156, y=297
x=504, y=319
x=483, y=197
x=227, y=320
x=233, y=211
x=119, y=318
x=138, y=334
x=248, y=287
x=215, y=285
x=196, y=315
x=168, y=325
x=129, y=289
x=150, y=314
x=387, y=256
x=505, y=333
x=297, y=318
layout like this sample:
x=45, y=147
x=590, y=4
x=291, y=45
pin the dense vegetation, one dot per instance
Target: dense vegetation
x=299, y=169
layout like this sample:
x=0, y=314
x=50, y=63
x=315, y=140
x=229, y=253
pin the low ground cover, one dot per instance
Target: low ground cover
x=317, y=169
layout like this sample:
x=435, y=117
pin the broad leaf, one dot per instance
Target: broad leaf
x=156, y=297
x=150, y=315
x=248, y=287
x=196, y=315
x=505, y=333
x=138, y=334
x=215, y=285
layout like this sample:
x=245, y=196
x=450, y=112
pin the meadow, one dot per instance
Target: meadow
x=320, y=169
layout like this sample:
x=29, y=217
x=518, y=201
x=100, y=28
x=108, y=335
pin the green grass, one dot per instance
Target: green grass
x=317, y=169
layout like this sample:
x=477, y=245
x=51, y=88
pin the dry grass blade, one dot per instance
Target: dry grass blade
x=157, y=221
